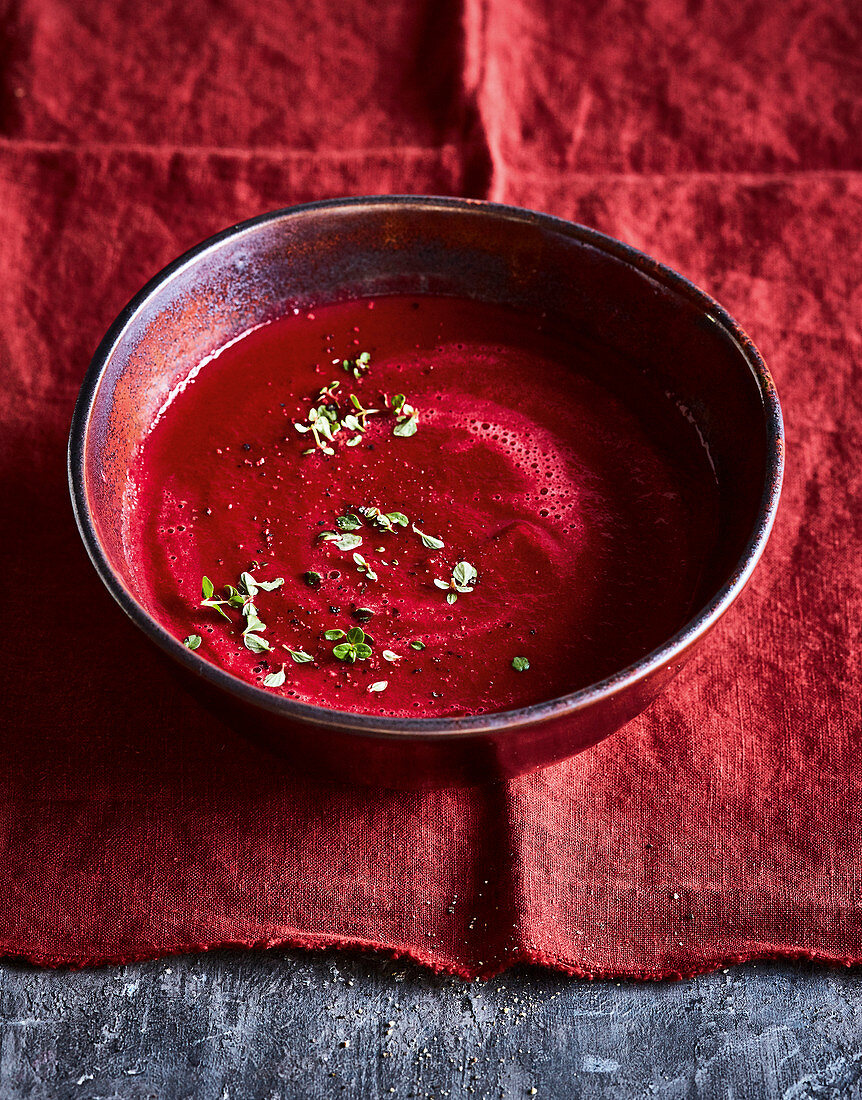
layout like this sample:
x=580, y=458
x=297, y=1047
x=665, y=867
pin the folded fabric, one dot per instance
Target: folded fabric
x=721, y=825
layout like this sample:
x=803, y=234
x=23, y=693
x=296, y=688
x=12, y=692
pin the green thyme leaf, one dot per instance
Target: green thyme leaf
x=442, y=584
x=193, y=641
x=270, y=586
x=379, y=685
x=451, y=597
x=253, y=624
x=358, y=366
x=299, y=655
x=216, y=605
x=247, y=584
x=207, y=588
x=464, y=574
x=406, y=427
x=388, y=655
x=313, y=580
x=417, y=645
x=255, y=643
x=355, y=647
x=324, y=426
x=428, y=541
x=387, y=521
x=333, y=635
x=520, y=664
x=348, y=542
x=405, y=414
x=349, y=522
x=275, y=679
x=363, y=567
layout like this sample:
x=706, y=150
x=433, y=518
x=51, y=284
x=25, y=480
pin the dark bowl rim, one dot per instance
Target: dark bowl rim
x=413, y=729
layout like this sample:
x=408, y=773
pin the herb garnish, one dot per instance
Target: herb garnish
x=325, y=419
x=354, y=648
x=329, y=390
x=313, y=580
x=358, y=366
x=242, y=598
x=428, y=541
x=275, y=679
x=388, y=655
x=356, y=421
x=417, y=645
x=405, y=416
x=255, y=643
x=193, y=641
x=299, y=655
x=323, y=424
x=463, y=579
x=348, y=522
x=520, y=664
x=379, y=685
x=346, y=541
x=253, y=623
x=208, y=590
x=388, y=521
x=252, y=584
x=363, y=567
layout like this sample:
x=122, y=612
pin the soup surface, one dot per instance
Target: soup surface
x=454, y=509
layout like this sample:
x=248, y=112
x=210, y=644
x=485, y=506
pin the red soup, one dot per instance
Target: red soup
x=420, y=507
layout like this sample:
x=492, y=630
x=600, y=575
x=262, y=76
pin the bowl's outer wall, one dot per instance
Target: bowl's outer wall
x=304, y=258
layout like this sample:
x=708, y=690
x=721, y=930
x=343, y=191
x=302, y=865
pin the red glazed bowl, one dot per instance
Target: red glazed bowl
x=309, y=255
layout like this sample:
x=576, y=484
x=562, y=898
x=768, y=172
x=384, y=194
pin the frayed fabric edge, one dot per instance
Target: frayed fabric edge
x=358, y=945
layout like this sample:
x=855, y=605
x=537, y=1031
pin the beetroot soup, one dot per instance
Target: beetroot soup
x=419, y=507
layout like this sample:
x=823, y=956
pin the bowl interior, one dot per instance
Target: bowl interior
x=607, y=293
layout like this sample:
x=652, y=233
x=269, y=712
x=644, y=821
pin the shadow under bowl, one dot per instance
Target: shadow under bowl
x=367, y=247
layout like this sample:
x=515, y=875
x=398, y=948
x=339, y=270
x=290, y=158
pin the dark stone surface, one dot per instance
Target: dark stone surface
x=286, y=1024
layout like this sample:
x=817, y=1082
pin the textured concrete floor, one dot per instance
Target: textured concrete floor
x=235, y=1024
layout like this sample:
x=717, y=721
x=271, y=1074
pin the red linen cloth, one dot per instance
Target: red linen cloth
x=722, y=138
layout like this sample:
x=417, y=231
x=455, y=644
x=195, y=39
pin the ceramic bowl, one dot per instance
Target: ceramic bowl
x=343, y=249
